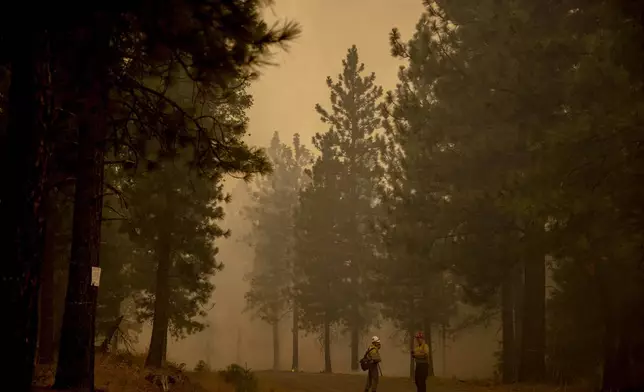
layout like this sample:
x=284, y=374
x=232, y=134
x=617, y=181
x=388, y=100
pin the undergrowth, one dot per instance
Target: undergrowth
x=242, y=379
x=125, y=373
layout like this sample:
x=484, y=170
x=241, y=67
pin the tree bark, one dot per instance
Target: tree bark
x=532, y=367
x=276, y=345
x=295, y=362
x=77, y=343
x=427, y=327
x=327, y=347
x=412, y=341
x=509, y=338
x=355, y=342
x=24, y=158
x=46, y=337
x=156, y=353
x=164, y=351
x=622, y=362
x=518, y=294
x=444, y=349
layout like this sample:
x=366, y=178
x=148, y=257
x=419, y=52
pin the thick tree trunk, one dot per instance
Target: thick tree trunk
x=276, y=345
x=24, y=157
x=164, y=351
x=427, y=327
x=509, y=337
x=532, y=367
x=327, y=347
x=355, y=346
x=156, y=352
x=295, y=361
x=623, y=368
x=46, y=336
x=77, y=343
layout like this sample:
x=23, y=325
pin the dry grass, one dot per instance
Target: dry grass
x=211, y=382
x=125, y=373
x=318, y=382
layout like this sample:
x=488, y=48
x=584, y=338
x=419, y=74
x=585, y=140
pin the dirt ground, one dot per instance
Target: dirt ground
x=312, y=382
x=125, y=374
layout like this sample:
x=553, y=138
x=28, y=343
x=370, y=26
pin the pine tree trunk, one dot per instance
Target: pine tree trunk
x=276, y=345
x=427, y=326
x=518, y=294
x=164, y=351
x=156, y=352
x=24, y=158
x=532, y=363
x=76, y=356
x=507, y=322
x=238, y=358
x=327, y=347
x=444, y=348
x=622, y=367
x=355, y=342
x=295, y=363
x=411, y=349
x=46, y=334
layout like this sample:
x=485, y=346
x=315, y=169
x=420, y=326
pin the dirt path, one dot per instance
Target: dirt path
x=319, y=382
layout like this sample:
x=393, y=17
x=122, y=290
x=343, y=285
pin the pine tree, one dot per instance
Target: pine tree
x=595, y=218
x=119, y=258
x=319, y=257
x=207, y=63
x=173, y=220
x=415, y=287
x=509, y=96
x=272, y=217
x=354, y=121
x=498, y=123
x=88, y=49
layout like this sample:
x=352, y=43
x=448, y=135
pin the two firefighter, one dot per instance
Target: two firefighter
x=420, y=353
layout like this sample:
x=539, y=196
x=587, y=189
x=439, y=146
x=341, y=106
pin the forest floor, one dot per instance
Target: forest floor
x=125, y=374
x=270, y=381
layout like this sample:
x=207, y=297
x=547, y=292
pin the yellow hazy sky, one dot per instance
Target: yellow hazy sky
x=286, y=94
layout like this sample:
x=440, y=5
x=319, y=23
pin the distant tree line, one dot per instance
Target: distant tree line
x=507, y=159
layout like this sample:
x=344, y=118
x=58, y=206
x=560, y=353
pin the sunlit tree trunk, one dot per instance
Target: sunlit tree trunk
x=327, y=347
x=276, y=345
x=295, y=363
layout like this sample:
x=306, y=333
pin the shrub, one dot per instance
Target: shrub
x=241, y=378
x=202, y=366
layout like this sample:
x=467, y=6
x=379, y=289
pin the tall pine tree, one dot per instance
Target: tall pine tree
x=319, y=260
x=174, y=214
x=272, y=214
x=415, y=288
x=354, y=121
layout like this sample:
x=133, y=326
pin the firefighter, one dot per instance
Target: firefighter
x=373, y=357
x=421, y=355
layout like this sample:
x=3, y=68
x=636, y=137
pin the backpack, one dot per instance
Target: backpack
x=365, y=361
